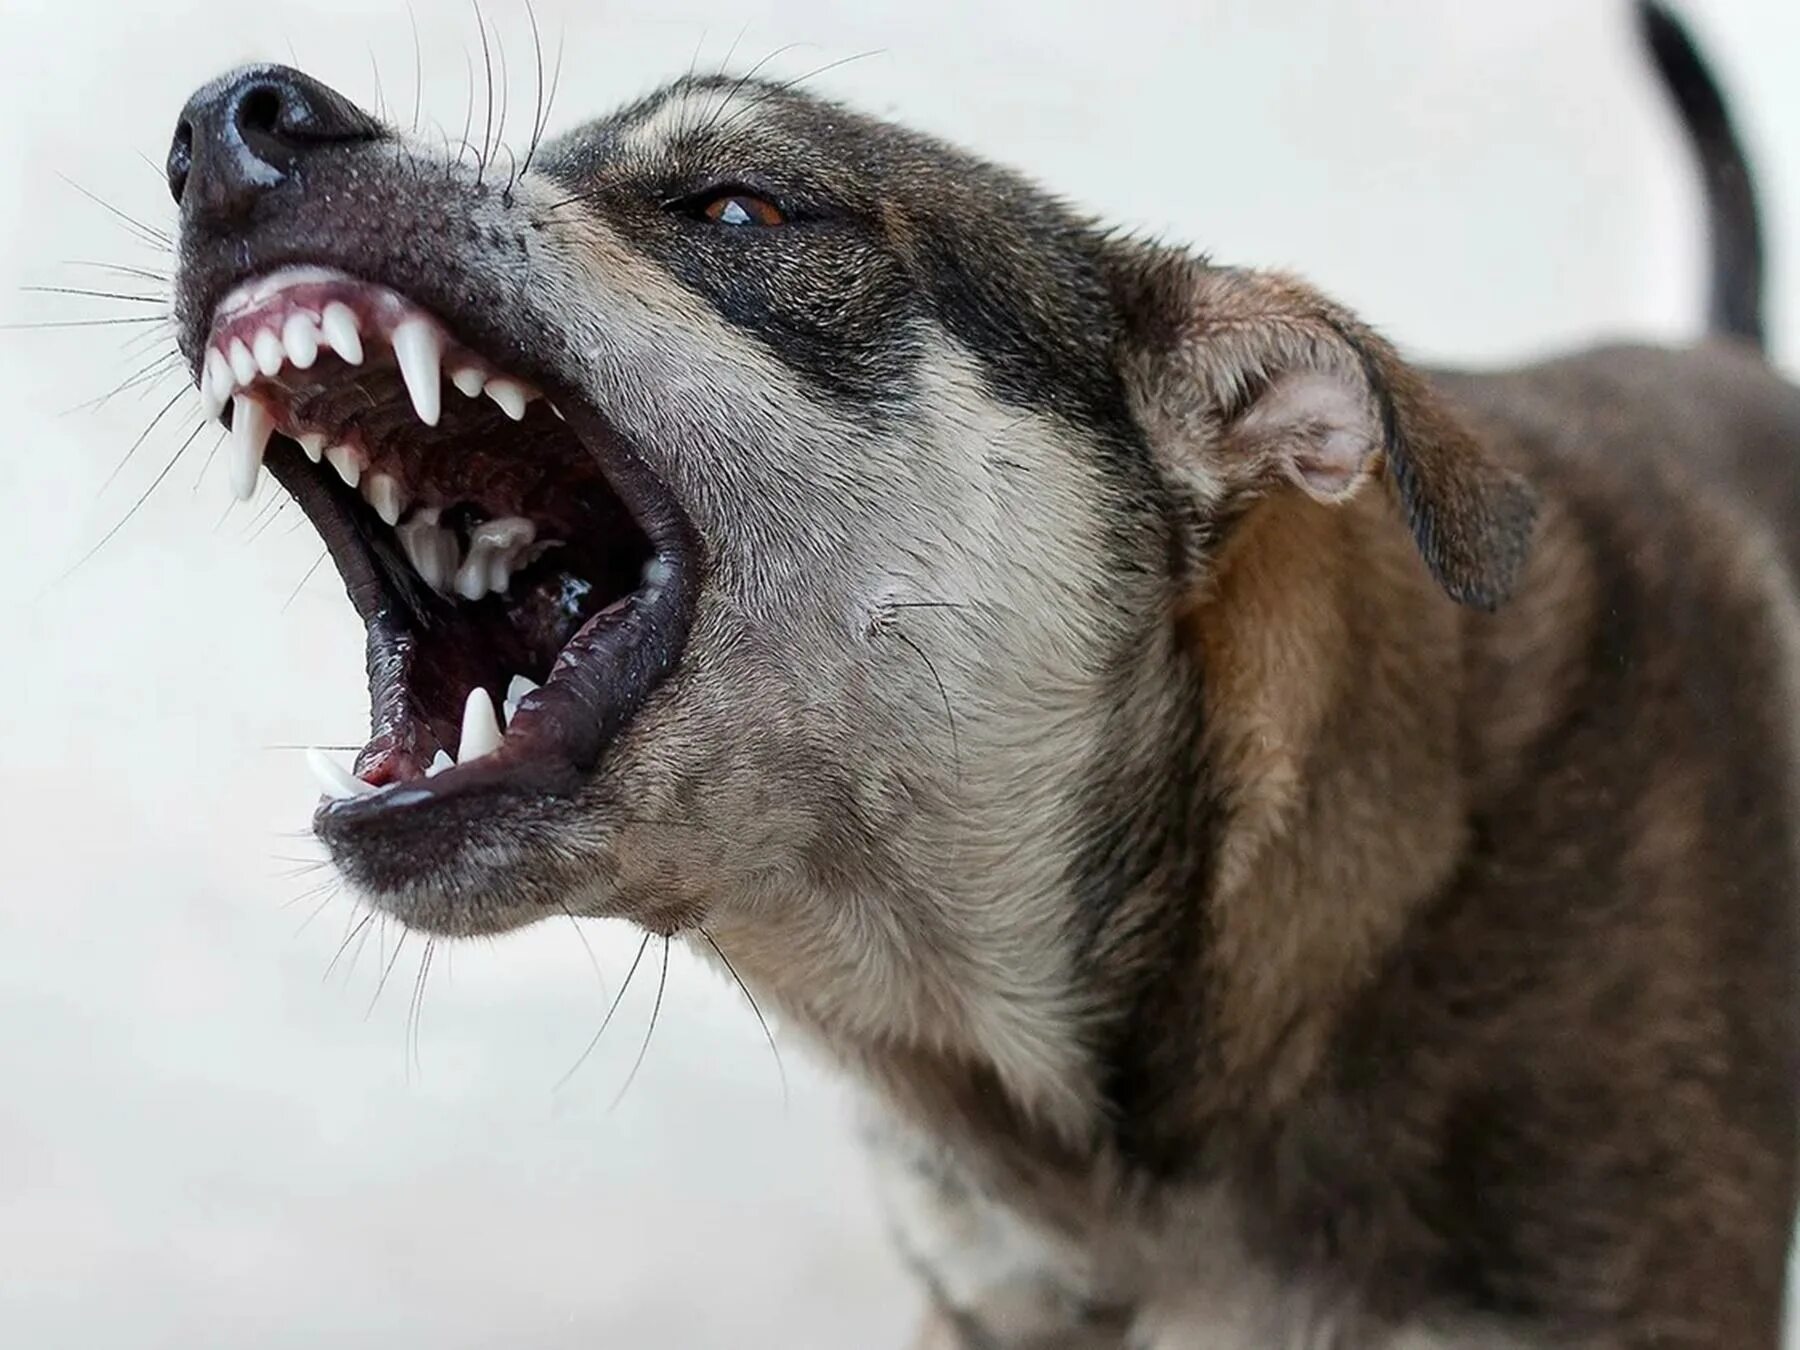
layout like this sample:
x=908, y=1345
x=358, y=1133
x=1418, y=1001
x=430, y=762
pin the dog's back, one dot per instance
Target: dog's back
x=1613, y=974
x=1571, y=1100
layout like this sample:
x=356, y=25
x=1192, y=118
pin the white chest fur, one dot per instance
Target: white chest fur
x=1186, y=1283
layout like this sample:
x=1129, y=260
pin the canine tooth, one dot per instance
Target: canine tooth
x=243, y=365
x=420, y=351
x=510, y=395
x=301, y=338
x=251, y=427
x=343, y=459
x=384, y=494
x=270, y=354
x=480, y=727
x=339, y=783
x=499, y=573
x=313, y=442
x=559, y=413
x=470, y=380
x=439, y=762
x=341, y=330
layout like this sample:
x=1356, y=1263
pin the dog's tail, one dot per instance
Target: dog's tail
x=1732, y=219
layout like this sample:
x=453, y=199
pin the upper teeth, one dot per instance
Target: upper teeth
x=386, y=496
x=251, y=427
x=300, y=335
x=419, y=345
x=420, y=351
x=342, y=330
x=243, y=365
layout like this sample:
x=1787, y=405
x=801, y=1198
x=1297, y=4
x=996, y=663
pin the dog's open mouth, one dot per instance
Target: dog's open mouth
x=524, y=580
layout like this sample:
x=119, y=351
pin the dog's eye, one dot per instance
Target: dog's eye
x=737, y=207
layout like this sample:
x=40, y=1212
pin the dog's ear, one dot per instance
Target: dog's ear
x=1245, y=382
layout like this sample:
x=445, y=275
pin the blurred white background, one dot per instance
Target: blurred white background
x=206, y=1141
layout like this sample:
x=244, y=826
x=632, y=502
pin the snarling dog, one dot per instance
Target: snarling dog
x=1299, y=849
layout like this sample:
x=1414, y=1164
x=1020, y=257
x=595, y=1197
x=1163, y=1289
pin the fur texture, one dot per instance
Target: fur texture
x=1300, y=849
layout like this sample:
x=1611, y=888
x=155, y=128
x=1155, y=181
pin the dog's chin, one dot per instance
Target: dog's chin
x=478, y=902
x=525, y=582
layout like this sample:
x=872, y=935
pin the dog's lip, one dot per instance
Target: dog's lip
x=551, y=746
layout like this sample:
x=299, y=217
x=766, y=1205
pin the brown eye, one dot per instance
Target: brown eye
x=742, y=208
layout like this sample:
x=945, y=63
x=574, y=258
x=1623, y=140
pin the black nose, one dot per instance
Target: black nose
x=247, y=131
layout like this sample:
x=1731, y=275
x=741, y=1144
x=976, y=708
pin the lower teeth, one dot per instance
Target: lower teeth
x=482, y=734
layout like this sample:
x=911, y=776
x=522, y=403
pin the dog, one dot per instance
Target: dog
x=1298, y=849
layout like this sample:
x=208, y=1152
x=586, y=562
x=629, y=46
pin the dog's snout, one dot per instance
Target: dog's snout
x=246, y=132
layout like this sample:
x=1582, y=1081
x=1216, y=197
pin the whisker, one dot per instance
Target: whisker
x=797, y=80
x=412, y=17
x=84, y=323
x=505, y=96
x=949, y=716
x=344, y=946
x=331, y=894
x=150, y=374
x=537, y=111
x=593, y=960
x=97, y=295
x=142, y=272
x=361, y=942
x=380, y=101
x=762, y=1022
x=139, y=343
x=605, y=1021
x=270, y=517
x=662, y=981
x=306, y=895
x=731, y=51
x=744, y=79
x=386, y=970
x=562, y=43
x=210, y=456
x=416, y=1009
x=305, y=870
x=295, y=593
x=487, y=61
x=107, y=538
x=143, y=436
x=149, y=233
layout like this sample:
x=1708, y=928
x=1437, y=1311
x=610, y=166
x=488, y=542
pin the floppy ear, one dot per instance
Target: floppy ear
x=1246, y=382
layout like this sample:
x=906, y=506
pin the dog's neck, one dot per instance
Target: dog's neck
x=1332, y=792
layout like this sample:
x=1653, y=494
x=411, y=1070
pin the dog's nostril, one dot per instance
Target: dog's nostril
x=260, y=109
x=181, y=159
x=245, y=133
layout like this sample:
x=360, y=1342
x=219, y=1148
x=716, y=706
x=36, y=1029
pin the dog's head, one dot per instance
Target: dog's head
x=816, y=501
